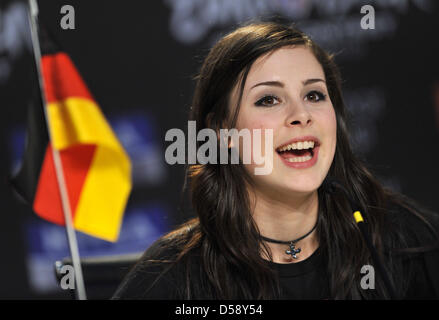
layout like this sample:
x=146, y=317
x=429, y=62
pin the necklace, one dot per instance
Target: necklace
x=292, y=251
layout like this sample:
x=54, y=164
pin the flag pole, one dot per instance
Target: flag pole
x=73, y=243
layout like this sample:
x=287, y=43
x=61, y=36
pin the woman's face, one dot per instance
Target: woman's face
x=286, y=91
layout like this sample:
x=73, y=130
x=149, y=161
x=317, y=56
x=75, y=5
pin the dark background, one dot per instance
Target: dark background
x=139, y=58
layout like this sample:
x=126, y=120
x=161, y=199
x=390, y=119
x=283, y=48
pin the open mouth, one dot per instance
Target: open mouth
x=301, y=151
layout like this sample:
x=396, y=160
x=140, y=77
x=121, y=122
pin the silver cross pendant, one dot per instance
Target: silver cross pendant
x=293, y=251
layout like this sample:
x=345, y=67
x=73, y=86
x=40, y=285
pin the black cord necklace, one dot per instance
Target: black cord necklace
x=292, y=251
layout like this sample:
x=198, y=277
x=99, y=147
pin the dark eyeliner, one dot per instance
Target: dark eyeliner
x=320, y=95
x=259, y=103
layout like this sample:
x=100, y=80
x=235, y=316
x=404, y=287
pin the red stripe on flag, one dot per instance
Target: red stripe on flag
x=76, y=162
x=61, y=79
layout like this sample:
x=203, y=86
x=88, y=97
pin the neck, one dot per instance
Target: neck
x=286, y=220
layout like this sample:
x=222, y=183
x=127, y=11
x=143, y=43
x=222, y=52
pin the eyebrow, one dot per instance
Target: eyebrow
x=281, y=85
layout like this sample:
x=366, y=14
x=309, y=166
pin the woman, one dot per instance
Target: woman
x=284, y=235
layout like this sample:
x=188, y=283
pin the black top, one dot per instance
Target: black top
x=306, y=279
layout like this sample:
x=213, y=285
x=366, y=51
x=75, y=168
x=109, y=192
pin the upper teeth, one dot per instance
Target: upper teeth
x=298, y=146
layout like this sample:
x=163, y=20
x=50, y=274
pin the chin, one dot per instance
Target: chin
x=281, y=182
x=304, y=188
x=302, y=183
x=300, y=187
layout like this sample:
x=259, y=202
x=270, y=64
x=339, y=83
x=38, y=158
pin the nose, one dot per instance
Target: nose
x=298, y=115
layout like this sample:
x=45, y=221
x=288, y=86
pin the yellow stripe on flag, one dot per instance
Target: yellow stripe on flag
x=79, y=120
x=108, y=182
x=105, y=192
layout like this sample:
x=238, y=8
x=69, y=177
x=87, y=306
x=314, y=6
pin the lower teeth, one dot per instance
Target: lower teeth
x=299, y=159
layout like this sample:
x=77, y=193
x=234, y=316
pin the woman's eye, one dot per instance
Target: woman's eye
x=315, y=96
x=267, y=101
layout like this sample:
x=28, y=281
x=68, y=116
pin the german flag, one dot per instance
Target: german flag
x=97, y=170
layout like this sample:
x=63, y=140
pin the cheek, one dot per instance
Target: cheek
x=333, y=122
x=258, y=140
x=256, y=122
x=328, y=122
x=329, y=126
x=257, y=118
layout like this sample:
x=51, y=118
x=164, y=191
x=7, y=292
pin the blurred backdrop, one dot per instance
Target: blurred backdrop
x=139, y=58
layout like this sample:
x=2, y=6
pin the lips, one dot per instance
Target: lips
x=300, y=152
x=298, y=144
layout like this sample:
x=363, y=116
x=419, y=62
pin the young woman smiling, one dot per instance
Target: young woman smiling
x=283, y=235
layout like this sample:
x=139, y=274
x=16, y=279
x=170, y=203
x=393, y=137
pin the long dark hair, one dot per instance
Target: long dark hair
x=230, y=263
